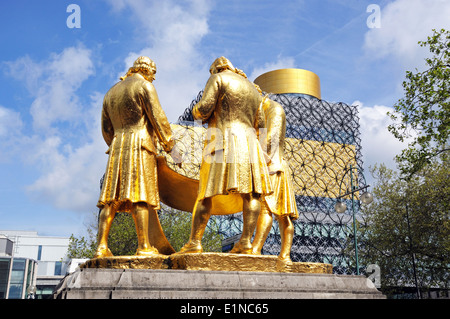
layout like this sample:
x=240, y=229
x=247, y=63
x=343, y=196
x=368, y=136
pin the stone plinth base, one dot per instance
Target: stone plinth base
x=208, y=262
x=209, y=276
x=101, y=283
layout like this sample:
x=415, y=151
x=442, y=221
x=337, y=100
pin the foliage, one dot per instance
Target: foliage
x=407, y=228
x=122, y=239
x=424, y=112
x=177, y=228
x=81, y=247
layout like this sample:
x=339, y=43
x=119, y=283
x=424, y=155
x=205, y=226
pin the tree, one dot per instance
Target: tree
x=424, y=112
x=407, y=229
x=122, y=239
x=177, y=228
x=80, y=247
x=84, y=247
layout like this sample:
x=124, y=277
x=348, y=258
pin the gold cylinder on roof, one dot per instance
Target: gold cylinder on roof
x=284, y=81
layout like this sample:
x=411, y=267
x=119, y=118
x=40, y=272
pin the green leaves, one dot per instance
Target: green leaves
x=424, y=112
x=122, y=239
x=177, y=228
x=409, y=220
x=81, y=247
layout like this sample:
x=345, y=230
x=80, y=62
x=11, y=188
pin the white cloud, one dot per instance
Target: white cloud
x=56, y=99
x=70, y=175
x=280, y=63
x=378, y=144
x=53, y=84
x=403, y=24
x=170, y=32
x=10, y=122
x=10, y=129
x=25, y=69
x=64, y=142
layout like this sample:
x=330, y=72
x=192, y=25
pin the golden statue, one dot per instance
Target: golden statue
x=132, y=120
x=233, y=161
x=282, y=202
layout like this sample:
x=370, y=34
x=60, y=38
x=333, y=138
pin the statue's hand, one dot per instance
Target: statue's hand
x=176, y=156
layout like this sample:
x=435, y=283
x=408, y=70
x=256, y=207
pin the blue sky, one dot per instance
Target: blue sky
x=53, y=78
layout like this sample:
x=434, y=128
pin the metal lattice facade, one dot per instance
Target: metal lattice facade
x=322, y=140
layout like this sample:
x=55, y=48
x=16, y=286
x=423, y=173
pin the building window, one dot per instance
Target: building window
x=39, y=252
x=58, y=266
x=4, y=275
x=17, y=279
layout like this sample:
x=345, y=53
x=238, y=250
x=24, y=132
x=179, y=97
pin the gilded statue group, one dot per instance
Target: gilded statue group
x=240, y=161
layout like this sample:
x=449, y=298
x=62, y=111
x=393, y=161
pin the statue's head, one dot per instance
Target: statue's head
x=222, y=64
x=143, y=65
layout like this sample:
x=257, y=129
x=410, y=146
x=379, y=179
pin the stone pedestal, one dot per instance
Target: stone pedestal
x=192, y=284
x=209, y=276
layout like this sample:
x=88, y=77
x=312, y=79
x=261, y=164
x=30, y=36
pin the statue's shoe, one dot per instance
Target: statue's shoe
x=147, y=252
x=285, y=259
x=284, y=264
x=103, y=252
x=190, y=248
x=239, y=249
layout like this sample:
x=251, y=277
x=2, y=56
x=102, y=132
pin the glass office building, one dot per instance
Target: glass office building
x=17, y=277
x=26, y=258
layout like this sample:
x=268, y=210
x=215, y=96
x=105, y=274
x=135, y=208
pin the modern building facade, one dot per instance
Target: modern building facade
x=36, y=262
x=17, y=275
